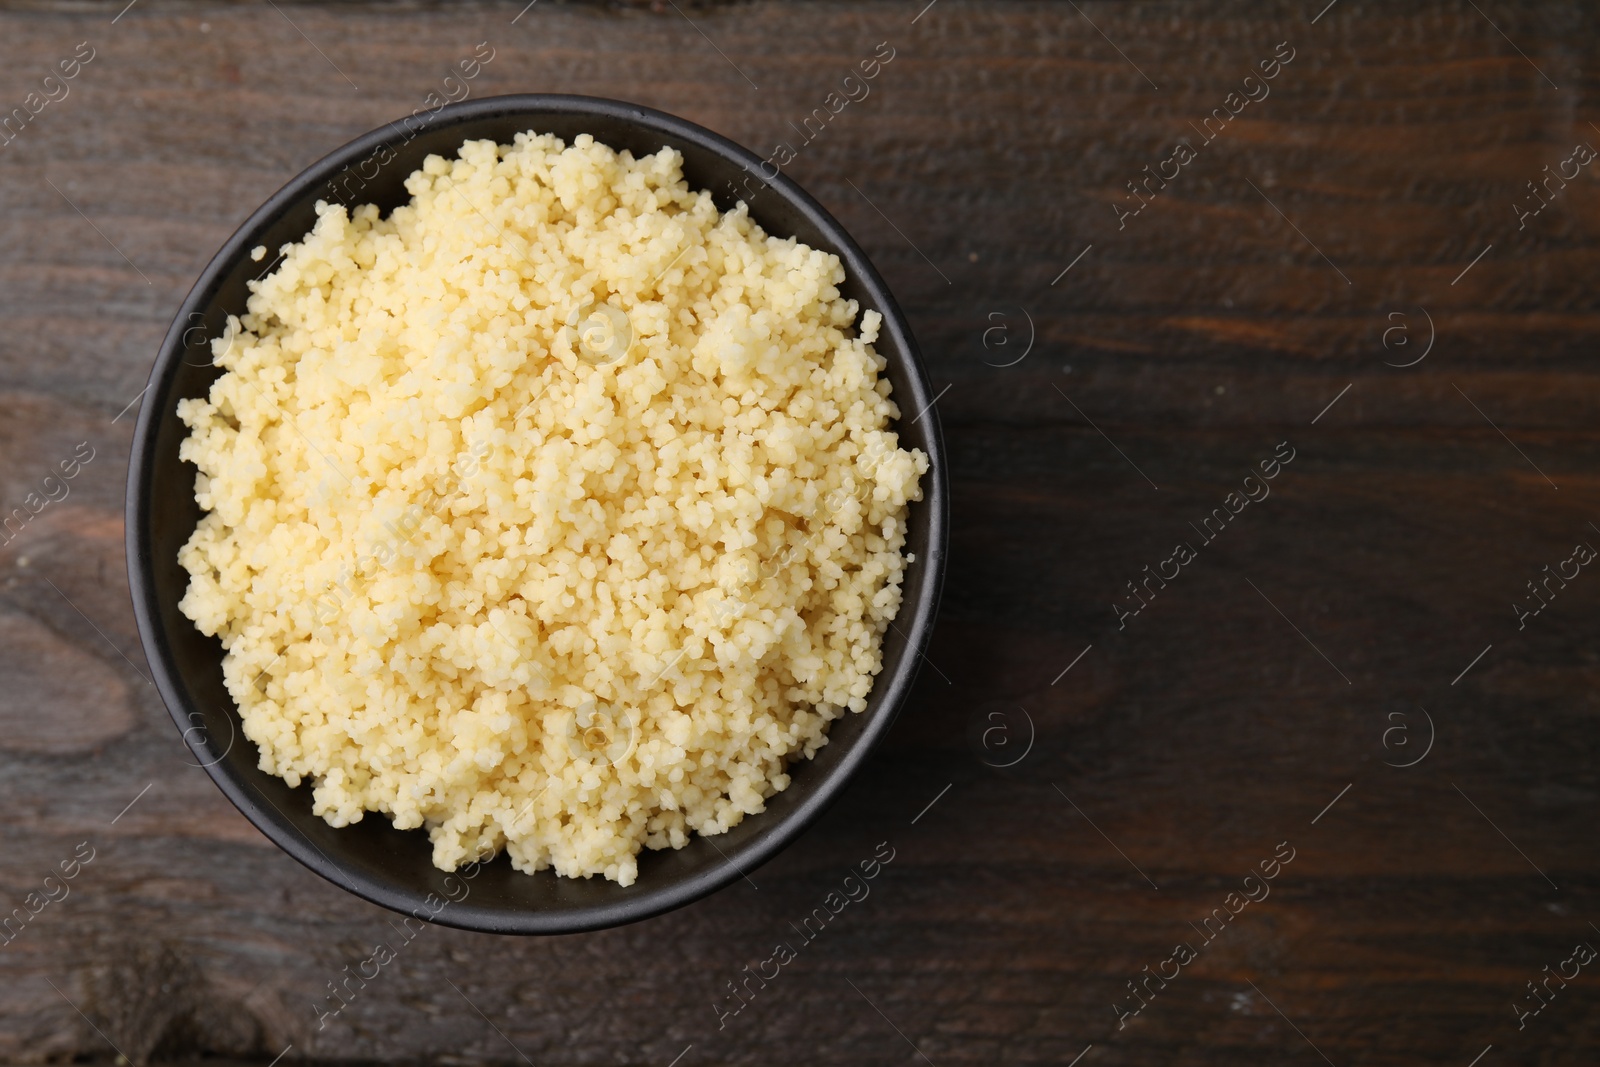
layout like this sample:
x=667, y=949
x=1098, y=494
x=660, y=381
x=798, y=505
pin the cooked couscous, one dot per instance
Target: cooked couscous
x=554, y=513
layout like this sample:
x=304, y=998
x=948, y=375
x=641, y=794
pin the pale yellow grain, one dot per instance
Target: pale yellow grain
x=435, y=538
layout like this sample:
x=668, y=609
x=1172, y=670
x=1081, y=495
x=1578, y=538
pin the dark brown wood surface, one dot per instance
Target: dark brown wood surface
x=1293, y=663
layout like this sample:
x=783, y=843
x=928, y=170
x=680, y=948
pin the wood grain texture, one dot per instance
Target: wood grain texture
x=1178, y=352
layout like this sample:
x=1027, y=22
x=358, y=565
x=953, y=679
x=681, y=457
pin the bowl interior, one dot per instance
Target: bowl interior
x=393, y=867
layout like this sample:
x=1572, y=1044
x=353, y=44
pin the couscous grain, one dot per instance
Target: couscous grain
x=555, y=512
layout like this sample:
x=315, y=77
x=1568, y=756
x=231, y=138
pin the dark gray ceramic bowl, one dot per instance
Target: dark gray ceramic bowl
x=372, y=859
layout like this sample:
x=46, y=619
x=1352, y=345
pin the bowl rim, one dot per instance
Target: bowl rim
x=917, y=622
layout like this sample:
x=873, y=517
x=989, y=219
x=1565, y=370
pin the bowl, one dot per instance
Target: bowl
x=372, y=859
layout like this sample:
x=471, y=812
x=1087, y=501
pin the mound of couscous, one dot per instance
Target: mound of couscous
x=554, y=513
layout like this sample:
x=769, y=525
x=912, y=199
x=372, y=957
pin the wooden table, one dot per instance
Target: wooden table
x=1338, y=674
